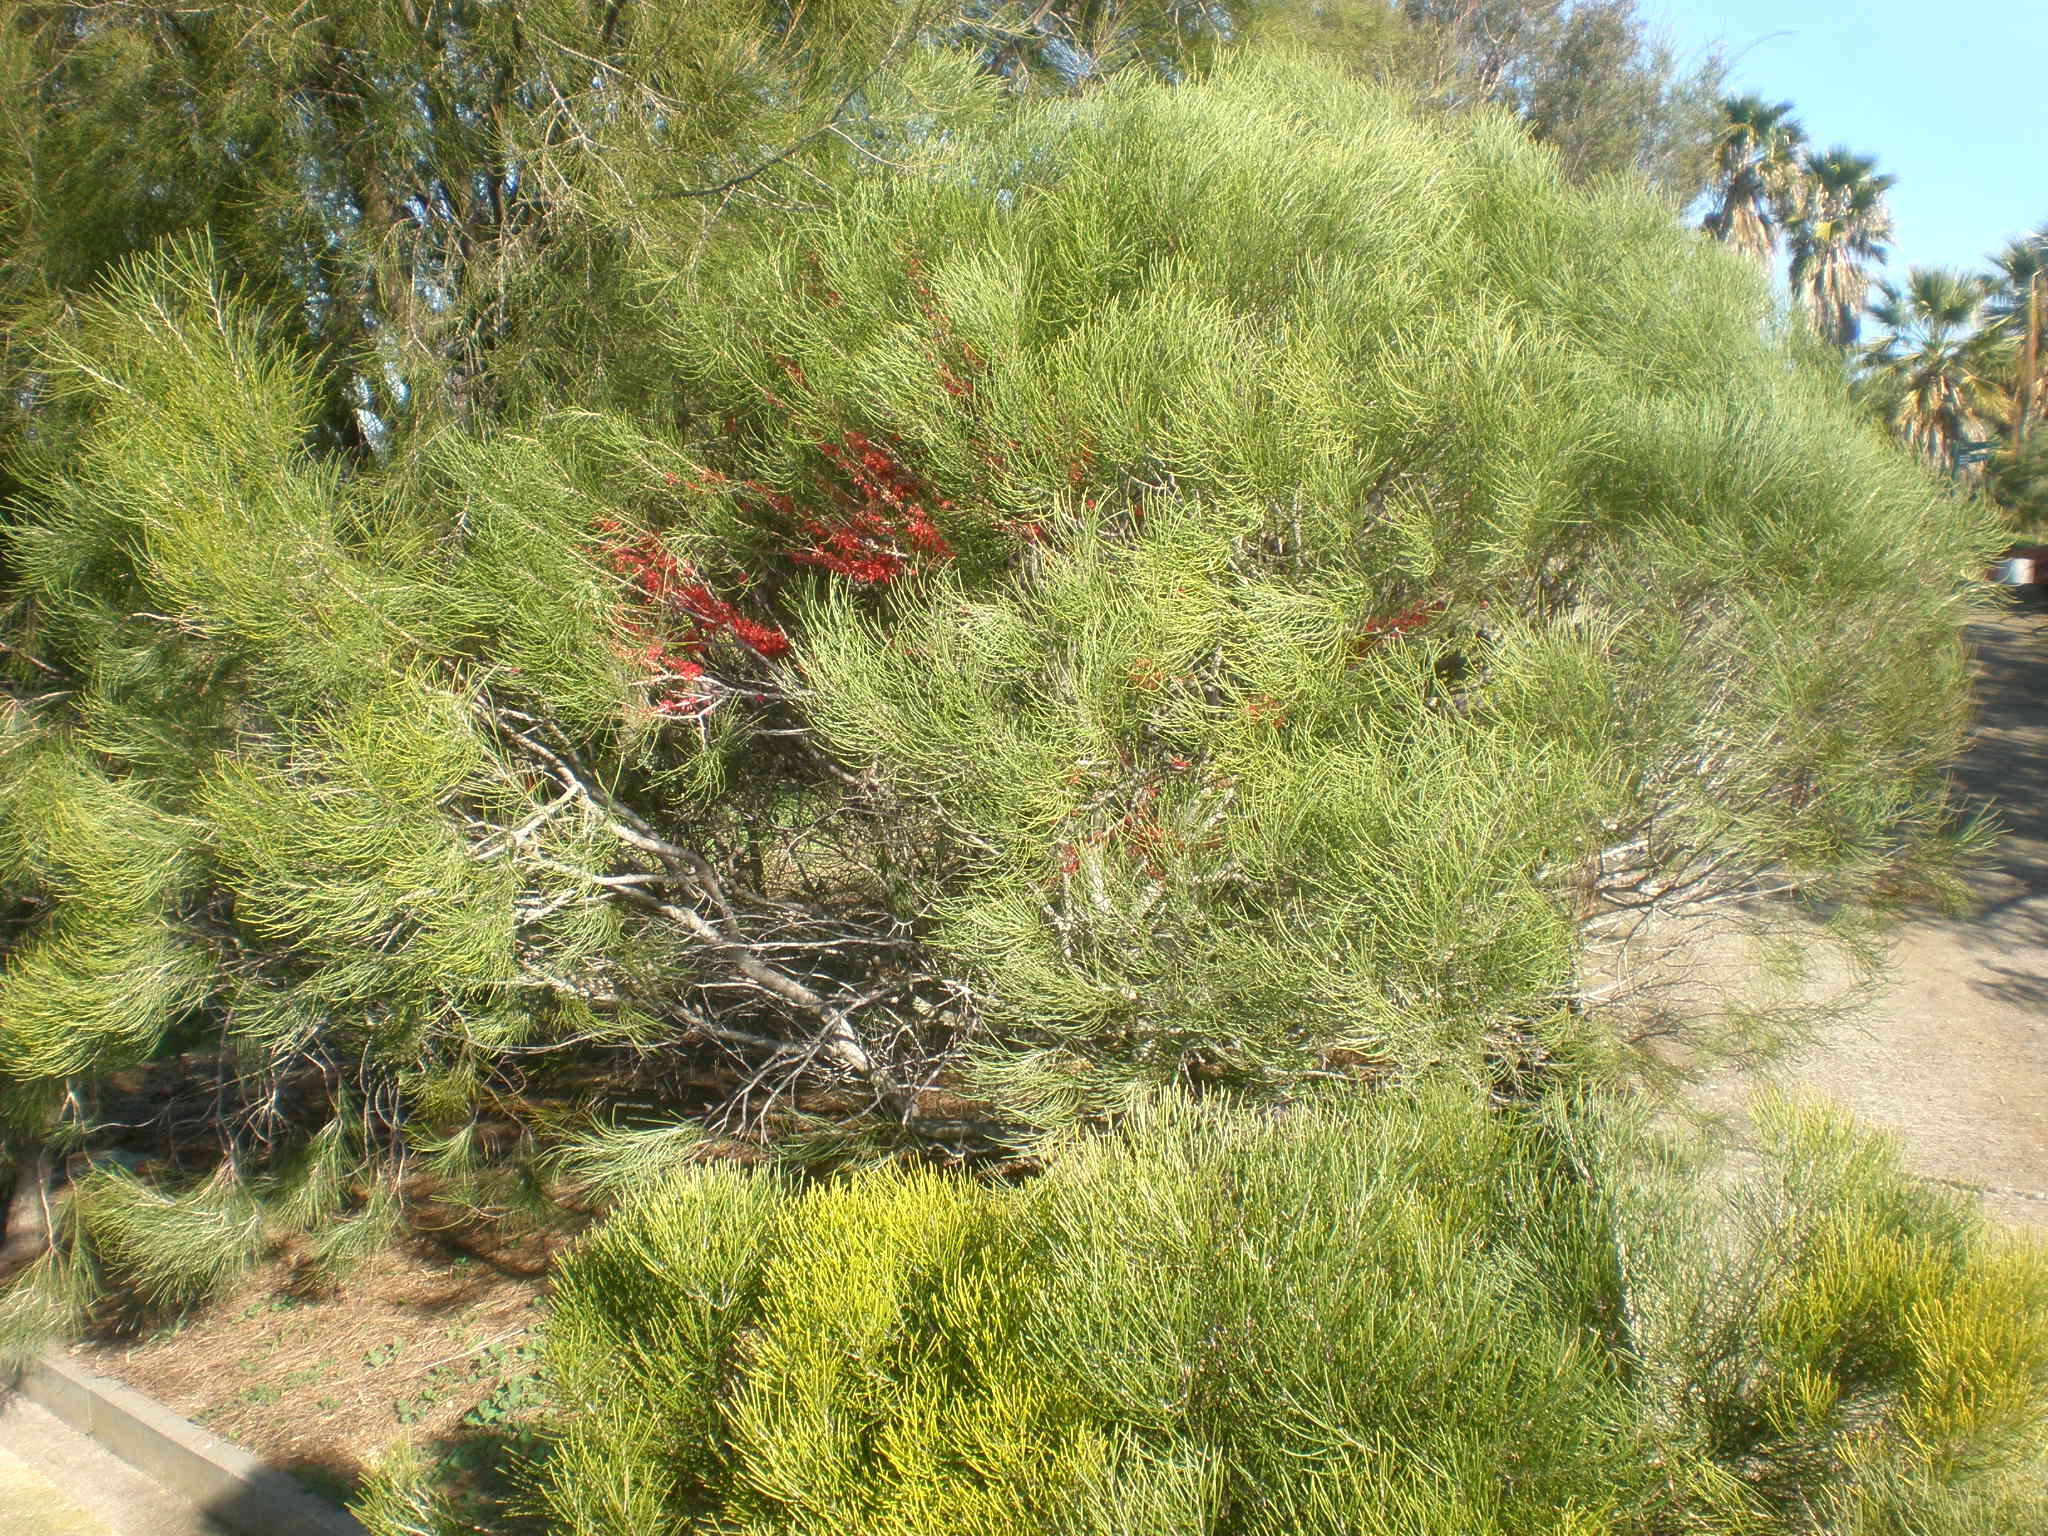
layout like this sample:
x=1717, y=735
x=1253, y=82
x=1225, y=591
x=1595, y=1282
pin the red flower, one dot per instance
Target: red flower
x=763, y=639
x=679, y=615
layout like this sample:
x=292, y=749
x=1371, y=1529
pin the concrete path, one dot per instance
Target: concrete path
x=1953, y=1056
x=57, y=1482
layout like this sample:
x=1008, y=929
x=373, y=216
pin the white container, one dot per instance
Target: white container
x=2016, y=572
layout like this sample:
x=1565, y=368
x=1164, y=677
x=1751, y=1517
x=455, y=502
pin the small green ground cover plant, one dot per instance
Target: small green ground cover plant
x=1412, y=1314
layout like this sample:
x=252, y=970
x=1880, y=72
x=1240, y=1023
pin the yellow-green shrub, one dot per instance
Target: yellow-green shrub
x=1412, y=1315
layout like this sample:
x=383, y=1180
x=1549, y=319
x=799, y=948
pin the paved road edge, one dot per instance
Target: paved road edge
x=215, y=1475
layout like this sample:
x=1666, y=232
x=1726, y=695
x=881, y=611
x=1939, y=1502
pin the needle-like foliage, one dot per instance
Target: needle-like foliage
x=1421, y=562
x=1231, y=585
x=1411, y=1317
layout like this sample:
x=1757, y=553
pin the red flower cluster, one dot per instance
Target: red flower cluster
x=1400, y=624
x=876, y=521
x=671, y=595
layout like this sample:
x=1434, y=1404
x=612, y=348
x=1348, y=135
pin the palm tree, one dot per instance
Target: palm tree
x=2019, y=306
x=1840, y=226
x=1756, y=168
x=2015, y=268
x=1939, y=370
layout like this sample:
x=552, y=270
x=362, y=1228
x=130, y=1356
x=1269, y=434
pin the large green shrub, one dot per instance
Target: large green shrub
x=1410, y=1316
x=1423, y=559
x=1229, y=584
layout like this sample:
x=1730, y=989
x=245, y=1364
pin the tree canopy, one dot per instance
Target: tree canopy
x=439, y=193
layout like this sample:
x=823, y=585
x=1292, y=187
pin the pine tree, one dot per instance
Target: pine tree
x=415, y=180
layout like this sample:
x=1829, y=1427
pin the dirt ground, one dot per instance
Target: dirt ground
x=1953, y=1055
x=426, y=1343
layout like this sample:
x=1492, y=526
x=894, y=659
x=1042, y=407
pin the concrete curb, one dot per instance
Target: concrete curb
x=219, y=1478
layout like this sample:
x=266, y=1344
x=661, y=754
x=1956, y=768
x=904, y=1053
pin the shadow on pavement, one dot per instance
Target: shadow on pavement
x=2006, y=768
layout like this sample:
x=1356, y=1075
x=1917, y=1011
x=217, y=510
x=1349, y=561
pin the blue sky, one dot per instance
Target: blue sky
x=1952, y=99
